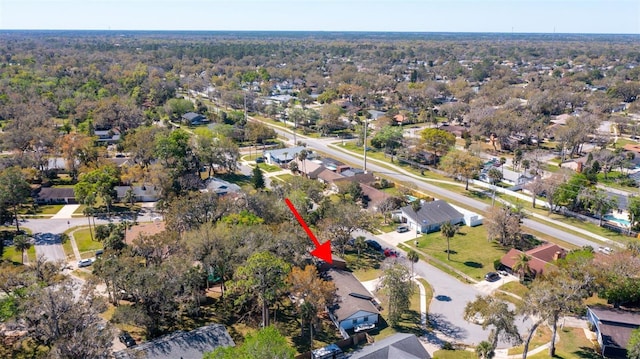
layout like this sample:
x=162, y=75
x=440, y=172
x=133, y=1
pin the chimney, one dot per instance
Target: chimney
x=557, y=255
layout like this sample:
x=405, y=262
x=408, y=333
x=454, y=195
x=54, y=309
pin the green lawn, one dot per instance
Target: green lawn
x=84, y=242
x=572, y=344
x=540, y=337
x=285, y=177
x=269, y=168
x=454, y=354
x=12, y=255
x=410, y=322
x=471, y=253
x=516, y=288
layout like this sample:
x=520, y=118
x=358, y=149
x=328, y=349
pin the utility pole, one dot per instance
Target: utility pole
x=365, y=144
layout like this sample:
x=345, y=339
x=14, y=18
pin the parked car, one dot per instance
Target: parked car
x=126, y=339
x=84, y=263
x=390, y=253
x=259, y=159
x=492, y=277
x=402, y=228
x=99, y=252
x=373, y=244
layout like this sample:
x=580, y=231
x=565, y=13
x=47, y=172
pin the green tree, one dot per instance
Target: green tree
x=413, y=257
x=267, y=343
x=490, y=311
x=448, y=231
x=521, y=266
x=100, y=182
x=633, y=347
x=397, y=285
x=388, y=137
x=263, y=275
x=21, y=243
x=359, y=243
x=437, y=141
x=461, y=165
x=494, y=176
x=597, y=201
x=484, y=350
x=257, y=178
x=14, y=191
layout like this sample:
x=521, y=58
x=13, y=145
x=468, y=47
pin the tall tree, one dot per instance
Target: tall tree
x=99, y=183
x=494, y=176
x=461, y=165
x=263, y=275
x=21, y=243
x=257, y=178
x=397, y=285
x=494, y=312
x=597, y=201
x=14, y=191
x=521, y=266
x=448, y=230
x=633, y=347
x=503, y=224
x=413, y=257
x=437, y=141
x=312, y=294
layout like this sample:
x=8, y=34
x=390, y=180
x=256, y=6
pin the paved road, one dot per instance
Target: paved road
x=403, y=176
x=49, y=246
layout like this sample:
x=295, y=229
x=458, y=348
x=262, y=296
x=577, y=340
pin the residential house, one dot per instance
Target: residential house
x=108, y=136
x=354, y=305
x=327, y=177
x=180, y=344
x=56, y=195
x=194, y=119
x=539, y=257
x=140, y=193
x=220, y=187
x=282, y=156
x=430, y=216
x=397, y=346
x=613, y=327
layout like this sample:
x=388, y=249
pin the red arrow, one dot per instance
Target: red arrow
x=322, y=251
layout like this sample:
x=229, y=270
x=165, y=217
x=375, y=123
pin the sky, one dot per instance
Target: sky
x=507, y=16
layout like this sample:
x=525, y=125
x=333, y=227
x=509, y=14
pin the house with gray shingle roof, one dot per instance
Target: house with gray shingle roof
x=193, y=119
x=354, y=305
x=180, y=344
x=282, y=156
x=397, y=346
x=431, y=216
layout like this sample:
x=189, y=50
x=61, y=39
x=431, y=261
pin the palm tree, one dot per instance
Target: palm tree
x=360, y=244
x=22, y=243
x=302, y=157
x=484, y=350
x=413, y=257
x=521, y=266
x=448, y=230
x=495, y=176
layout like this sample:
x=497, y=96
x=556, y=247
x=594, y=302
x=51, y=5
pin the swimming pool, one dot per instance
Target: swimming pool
x=411, y=198
x=624, y=222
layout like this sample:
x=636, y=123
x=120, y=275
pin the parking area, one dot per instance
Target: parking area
x=487, y=288
x=394, y=238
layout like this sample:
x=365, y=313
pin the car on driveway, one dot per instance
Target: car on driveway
x=126, y=339
x=402, y=228
x=373, y=244
x=492, y=277
x=84, y=263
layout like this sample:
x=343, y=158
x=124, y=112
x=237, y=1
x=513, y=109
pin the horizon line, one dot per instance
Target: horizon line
x=333, y=31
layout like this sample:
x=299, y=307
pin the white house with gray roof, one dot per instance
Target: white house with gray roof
x=431, y=216
x=282, y=156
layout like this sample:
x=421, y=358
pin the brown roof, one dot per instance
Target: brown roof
x=547, y=252
x=633, y=147
x=346, y=285
x=329, y=176
x=147, y=229
x=375, y=195
x=399, y=118
x=509, y=260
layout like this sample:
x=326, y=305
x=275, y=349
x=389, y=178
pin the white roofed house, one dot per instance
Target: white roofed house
x=282, y=156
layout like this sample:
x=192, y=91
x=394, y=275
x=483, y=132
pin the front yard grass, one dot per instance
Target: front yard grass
x=516, y=288
x=10, y=254
x=471, y=253
x=540, y=337
x=409, y=322
x=84, y=242
x=572, y=345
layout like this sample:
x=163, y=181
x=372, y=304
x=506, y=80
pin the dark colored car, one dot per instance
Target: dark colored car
x=373, y=244
x=492, y=277
x=126, y=339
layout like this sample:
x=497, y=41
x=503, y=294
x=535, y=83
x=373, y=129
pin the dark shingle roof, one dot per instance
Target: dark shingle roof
x=185, y=345
x=48, y=193
x=433, y=212
x=398, y=346
x=346, y=284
